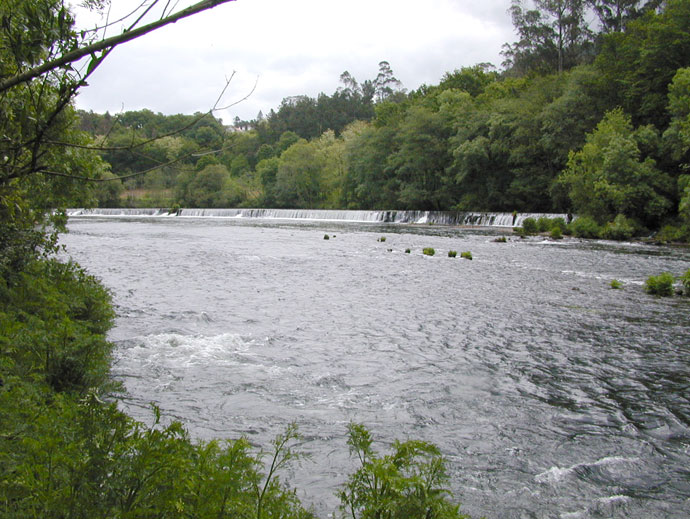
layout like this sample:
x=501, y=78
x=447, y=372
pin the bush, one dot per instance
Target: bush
x=556, y=233
x=428, y=251
x=544, y=224
x=466, y=255
x=382, y=239
x=530, y=226
x=452, y=253
x=326, y=237
x=560, y=223
x=407, y=483
x=615, y=284
x=585, y=227
x=661, y=285
x=621, y=228
x=500, y=239
x=672, y=233
x=407, y=251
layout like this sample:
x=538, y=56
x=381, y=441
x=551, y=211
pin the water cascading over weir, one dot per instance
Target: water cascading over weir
x=458, y=218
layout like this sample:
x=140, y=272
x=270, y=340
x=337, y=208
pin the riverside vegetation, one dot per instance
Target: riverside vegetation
x=595, y=123
x=567, y=125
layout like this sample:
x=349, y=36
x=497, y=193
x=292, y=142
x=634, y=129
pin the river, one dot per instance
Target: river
x=550, y=394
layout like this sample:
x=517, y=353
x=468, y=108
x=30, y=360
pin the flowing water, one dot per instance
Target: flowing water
x=550, y=394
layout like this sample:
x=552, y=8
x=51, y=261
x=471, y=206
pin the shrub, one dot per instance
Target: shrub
x=560, y=223
x=500, y=239
x=408, y=482
x=326, y=237
x=621, y=228
x=428, y=251
x=672, y=233
x=585, y=227
x=661, y=285
x=615, y=284
x=544, y=224
x=556, y=233
x=407, y=251
x=466, y=255
x=382, y=239
x=529, y=226
x=452, y=253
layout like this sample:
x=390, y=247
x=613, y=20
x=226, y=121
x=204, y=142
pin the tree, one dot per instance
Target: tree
x=408, y=482
x=552, y=37
x=638, y=65
x=609, y=176
x=299, y=181
x=386, y=84
x=422, y=159
x=614, y=15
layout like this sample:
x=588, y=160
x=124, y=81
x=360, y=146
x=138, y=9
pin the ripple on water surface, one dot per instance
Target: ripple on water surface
x=550, y=394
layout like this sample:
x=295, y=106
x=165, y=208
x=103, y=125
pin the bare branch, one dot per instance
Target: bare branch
x=107, y=44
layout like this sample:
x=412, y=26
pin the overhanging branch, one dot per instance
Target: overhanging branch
x=107, y=44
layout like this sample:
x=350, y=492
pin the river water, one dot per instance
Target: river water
x=550, y=394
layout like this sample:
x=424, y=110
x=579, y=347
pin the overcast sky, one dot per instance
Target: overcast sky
x=291, y=48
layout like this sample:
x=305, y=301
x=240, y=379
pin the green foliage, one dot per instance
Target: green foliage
x=428, y=251
x=407, y=251
x=615, y=284
x=610, y=177
x=382, y=239
x=466, y=255
x=53, y=320
x=672, y=233
x=500, y=239
x=556, y=233
x=530, y=226
x=326, y=237
x=452, y=253
x=544, y=224
x=585, y=227
x=661, y=285
x=621, y=228
x=408, y=482
x=638, y=64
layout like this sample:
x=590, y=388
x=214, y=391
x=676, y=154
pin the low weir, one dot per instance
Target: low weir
x=459, y=218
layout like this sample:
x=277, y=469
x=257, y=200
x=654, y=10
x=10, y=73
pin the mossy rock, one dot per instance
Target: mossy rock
x=452, y=253
x=428, y=251
x=466, y=255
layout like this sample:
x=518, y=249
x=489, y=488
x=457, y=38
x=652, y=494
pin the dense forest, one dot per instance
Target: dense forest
x=591, y=119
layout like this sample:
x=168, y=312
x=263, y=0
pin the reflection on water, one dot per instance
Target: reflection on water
x=550, y=394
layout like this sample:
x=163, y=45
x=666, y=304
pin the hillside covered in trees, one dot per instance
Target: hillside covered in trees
x=592, y=119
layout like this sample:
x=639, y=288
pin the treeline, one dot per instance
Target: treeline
x=593, y=122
